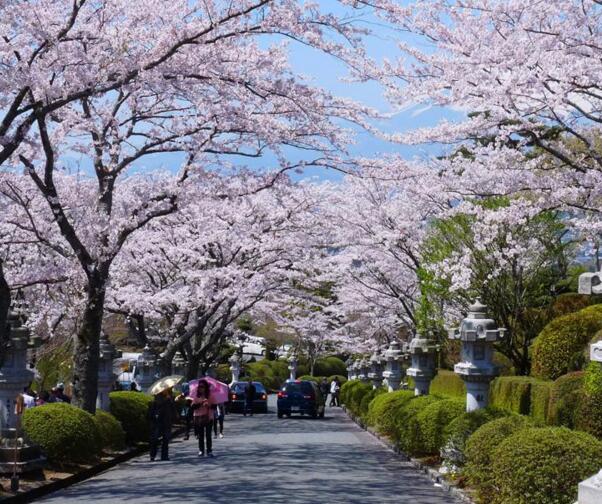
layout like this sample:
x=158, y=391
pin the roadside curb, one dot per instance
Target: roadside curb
x=433, y=474
x=44, y=490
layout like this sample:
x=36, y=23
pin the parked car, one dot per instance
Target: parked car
x=237, y=398
x=300, y=396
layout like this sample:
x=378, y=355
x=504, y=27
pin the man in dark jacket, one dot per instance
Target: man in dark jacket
x=249, y=398
x=161, y=414
x=324, y=389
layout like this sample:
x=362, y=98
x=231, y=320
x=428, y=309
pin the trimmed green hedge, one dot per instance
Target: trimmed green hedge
x=330, y=366
x=315, y=379
x=589, y=414
x=523, y=395
x=366, y=400
x=565, y=399
x=544, y=465
x=433, y=420
x=66, y=434
x=447, y=383
x=408, y=432
x=110, y=430
x=131, y=409
x=384, y=410
x=272, y=374
x=346, y=388
x=559, y=347
x=356, y=395
x=480, y=449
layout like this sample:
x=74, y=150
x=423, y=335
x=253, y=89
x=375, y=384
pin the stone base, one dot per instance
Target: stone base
x=590, y=490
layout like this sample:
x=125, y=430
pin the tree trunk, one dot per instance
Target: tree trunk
x=4, y=309
x=87, y=348
x=192, y=369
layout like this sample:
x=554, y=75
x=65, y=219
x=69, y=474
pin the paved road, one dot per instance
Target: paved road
x=266, y=460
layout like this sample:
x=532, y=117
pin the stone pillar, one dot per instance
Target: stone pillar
x=292, y=367
x=393, y=373
x=477, y=334
x=350, y=371
x=234, y=367
x=147, y=371
x=422, y=350
x=376, y=370
x=106, y=377
x=14, y=374
x=178, y=364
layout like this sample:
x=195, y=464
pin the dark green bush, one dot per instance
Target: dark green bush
x=131, y=409
x=365, y=403
x=589, y=414
x=408, y=433
x=433, y=420
x=565, y=399
x=66, y=434
x=342, y=379
x=541, y=392
x=570, y=302
x=384, y=410
x=447, y=383
x=457, y=432
x=111, y=432
x=512, y=393
x=346, y=388
x=544, y=465
x=223, y=373
x=315, y=379
x=559, y=347
x=272, y=374
x=480, y=448
x=329, y=366
x=356, y=395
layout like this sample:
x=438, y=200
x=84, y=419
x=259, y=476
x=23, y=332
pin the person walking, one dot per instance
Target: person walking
x=324, y=389
x=161, y=414
x=335, y=386
x=203, y=417
x=220, y=413
x=250, y=391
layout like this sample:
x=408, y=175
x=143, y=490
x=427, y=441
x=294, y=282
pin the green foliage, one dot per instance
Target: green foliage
x=356, y=395
x=366, y=400
x=342, y=379
x=569, y=302
x=559, y=347
x=223, y=373
x=384, y=410
x=544, y=466
x=66, y=434
x=272, y=374
x=565, y=399
x=457, y=432
x=408, y=432
x=589, y=416
x=329, y=366
x=54, y=366
x=433, y=420
x=110, y=430
x=481, y=446
x=346, y=388
x=447, y=384
x=523, y=395
x=131, y=410
x=316, y=379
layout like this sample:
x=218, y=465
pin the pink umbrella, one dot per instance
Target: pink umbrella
x=218, y=391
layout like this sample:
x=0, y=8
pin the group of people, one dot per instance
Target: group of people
x=196, y=409
x=333, y=388
x=29, y=398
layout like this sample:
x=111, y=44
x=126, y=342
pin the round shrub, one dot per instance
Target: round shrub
x=346, y=389
x=365, y=403
x=570, y=302
x=447, y=384
x=329, y=366
x=315, y=379
x=384, y=410
x=544, y=465
x=588, y=417
x=565, y=399
x=457, y=432
x=131, y=409
x=66, y=434
x=408, y=432
x=480, y=448
x=356, y=395
x=559, y=346
x=433, y=420
x=111, y=432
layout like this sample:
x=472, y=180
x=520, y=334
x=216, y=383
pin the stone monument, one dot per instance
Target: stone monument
x=422, y=350
x=106, y=377
x=234, y=367
x=477, y=334
x=376, y=370
x=147, y=369
x=393, y=372
x=364, y=369
x=292, y=367
x=178, y=364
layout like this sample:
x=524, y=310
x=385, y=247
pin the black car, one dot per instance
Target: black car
x=303, y=397
x=236, y=402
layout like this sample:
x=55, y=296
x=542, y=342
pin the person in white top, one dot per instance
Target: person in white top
x=335, y=386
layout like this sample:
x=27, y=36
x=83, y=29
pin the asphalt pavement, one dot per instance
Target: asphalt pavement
x=263, y=459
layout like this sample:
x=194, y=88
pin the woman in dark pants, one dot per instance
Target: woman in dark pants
x=220, y=412
x=203, y=418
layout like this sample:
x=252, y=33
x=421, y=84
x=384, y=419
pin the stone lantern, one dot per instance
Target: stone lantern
x=292, y=367
x=178, y=364
x=363, y=369
x=376, y=370
x=422, y=350
x=106, y=377
x=350, y=370
x=393, y=371
x=477, y=334
x=234, y=367
x=14, y=373
x=147, y=369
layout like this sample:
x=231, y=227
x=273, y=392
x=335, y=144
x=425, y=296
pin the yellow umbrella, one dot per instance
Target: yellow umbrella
x=165, y=383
